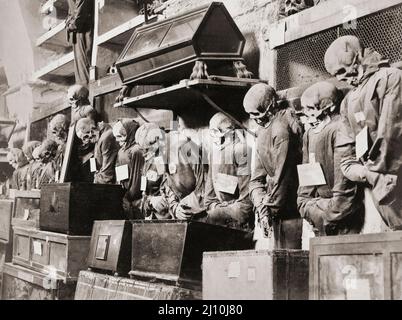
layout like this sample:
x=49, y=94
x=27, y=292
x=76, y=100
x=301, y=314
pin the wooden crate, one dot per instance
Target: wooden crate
x=5, y=256
x=46, y=252
x=6, y=209
x=26, y=209
x=95, y=286
x=171, y=250
x=110, y=247
x=255, y=275
x=354, y=267
x=20, y=283
x=71, y=208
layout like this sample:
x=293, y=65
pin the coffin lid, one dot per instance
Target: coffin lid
x=188, y=28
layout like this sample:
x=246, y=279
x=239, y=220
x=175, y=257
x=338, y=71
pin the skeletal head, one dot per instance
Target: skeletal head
x=47, y=150
x=221, y=128
x=36, y=153
x=295, y=6
x=320, y=100
x=343, y=59
x=260, y=103
x=16, y=158
x=58, y=127
x=120, y=133
x=150, y=137
x=77, y=95
x=87, y=131
x=28, y=149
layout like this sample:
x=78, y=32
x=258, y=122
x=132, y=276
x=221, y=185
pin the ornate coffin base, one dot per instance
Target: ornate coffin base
x=95, y=286
x=23, y=284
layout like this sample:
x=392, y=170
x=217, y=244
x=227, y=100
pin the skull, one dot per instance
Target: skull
x=120, y=133
x=58, y=127
x=150, y=137
x=16, y=158
x=12, y=160
x=343, y=59
x=295, y=6
x=87, y=131
x=77, y=95
x=28, y=149
x=260, y=102
x=319, y=101
x=221, y=129
x=47, y=151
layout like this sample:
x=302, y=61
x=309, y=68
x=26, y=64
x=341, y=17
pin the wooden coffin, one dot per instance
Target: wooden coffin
x=20, y=283
x=171, y=250
x=6, y=209
x=96, y=286
x=110, y=247
x=356, y=267
x=26, y=209
x=71, y=208
x=165, y=52
x=255, y=275
x=50, y=253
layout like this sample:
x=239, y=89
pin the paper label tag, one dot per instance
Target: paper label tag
x=251, y=273
x=360, y=117
x=57, y=176
x=92, y=163
x=152, y=175
x=122, y=172
x=362, y=143
x=26, y=214
x=37, y=247
x=172, y=168
x=143, y=183
x=310, y=174
x=226, y=183
x=234, y=269
x=160, y=165
x=311, y=157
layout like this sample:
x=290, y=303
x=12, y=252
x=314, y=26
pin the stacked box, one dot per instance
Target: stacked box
x=20, y=283
x=356, y=267
x=26, y=209
x=95, y=286
x=255, y=275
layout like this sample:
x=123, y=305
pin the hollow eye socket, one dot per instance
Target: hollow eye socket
x=340, y=72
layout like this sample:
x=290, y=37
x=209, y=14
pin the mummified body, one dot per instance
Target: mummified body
x=370, y=115
x=19, y=162
x=273, y=185
x=336, y=207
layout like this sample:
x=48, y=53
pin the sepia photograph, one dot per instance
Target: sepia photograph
x=200, y=151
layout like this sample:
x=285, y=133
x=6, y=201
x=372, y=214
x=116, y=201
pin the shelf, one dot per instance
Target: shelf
x=55, y=39
x=121, y=34
x=61, y=7
x=228, y=95
x=59, y=71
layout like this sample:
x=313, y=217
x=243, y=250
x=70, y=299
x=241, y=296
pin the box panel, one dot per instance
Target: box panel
x=6, y=208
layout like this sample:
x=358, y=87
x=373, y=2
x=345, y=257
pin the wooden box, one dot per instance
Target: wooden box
x=255, y=275
x=6, y=209
x=49, y=252
x=356, y=267
x=110, y=247
x=166, y=51
x=20, y=283
x=26, y=209
x=95, y=286
x=171, y=250
x=71, y=208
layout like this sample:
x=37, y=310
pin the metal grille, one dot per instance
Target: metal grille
x=301, y=62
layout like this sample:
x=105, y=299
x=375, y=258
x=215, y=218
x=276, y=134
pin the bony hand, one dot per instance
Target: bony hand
x=266, y=227
x=158, y=203
x=183, y=212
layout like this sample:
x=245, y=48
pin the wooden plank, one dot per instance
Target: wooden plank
x=63, y=67
x=48, y=110
x=329, y=14
x=55, y=39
